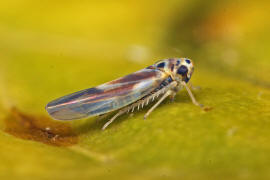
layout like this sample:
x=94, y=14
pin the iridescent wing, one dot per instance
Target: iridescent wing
x=106, y=97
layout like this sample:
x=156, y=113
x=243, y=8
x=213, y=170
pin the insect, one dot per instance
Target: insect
x=134, y=91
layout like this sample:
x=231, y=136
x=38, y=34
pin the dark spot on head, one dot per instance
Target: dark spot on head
x=39, y=128
x=172, y=67
x=182, y=70
x=188, y=61
x=178, y=62
x=161, y=65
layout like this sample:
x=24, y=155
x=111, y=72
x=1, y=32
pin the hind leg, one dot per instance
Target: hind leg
x=168, y=93
x=113, y=118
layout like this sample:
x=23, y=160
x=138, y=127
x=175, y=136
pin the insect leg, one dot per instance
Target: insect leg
x=168, y=93
x=191, y=95
x=102, y=116
x=172, y=97
x=113, y=118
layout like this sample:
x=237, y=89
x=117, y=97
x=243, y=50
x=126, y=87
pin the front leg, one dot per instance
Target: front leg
x=191, y=95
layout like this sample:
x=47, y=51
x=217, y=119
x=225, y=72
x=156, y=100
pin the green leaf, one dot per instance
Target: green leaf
x=68, y=46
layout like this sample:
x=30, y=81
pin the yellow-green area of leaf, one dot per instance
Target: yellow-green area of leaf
x=178, y=140
x=50, y=49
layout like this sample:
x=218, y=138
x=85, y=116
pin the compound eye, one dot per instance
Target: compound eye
x=182, y=70
x=188, y=61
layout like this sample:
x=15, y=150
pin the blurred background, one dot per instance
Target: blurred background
x=49, y=44
x=52, y=48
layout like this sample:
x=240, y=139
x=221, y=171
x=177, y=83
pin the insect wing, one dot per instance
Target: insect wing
x=106, y=97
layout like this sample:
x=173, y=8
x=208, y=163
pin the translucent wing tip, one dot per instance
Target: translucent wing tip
x=62, y=113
